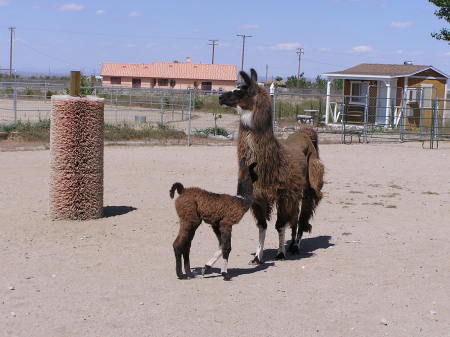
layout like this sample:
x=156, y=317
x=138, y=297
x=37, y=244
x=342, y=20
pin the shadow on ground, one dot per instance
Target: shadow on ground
x=109, y=211
x=234, y=272
x=307, y=248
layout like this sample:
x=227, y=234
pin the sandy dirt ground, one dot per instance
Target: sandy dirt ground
x=376, y=263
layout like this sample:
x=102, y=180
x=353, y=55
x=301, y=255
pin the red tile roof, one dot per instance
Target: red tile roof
x=194, y=71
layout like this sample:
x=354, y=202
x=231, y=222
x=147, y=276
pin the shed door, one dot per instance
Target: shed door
x=380, y=117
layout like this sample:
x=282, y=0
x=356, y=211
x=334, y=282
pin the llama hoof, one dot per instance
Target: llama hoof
x=280, y=256
x=255, y=261
x=181, y=277
x=226, y=277
x=294, y=249
x=206, y=270
x=189, y=276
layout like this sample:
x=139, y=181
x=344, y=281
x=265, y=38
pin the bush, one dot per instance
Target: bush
x=210, y=131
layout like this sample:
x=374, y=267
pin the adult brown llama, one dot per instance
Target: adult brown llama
x=289, y=173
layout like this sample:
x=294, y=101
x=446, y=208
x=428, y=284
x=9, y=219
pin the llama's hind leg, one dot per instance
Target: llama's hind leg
x=287, y=212
x=187, y=265
x=293, y=247
x=309, y=203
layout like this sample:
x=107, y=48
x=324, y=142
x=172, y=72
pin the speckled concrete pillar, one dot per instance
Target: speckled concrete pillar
x=76, y=164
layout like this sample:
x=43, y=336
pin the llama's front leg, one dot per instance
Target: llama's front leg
x=207, y=268
x=226, y=249
x=259, y=210
x=281, y=229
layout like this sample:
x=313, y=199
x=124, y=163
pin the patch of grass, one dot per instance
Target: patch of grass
x=39, y=131
x=430, y=193
x=391, y=206
x=396, y=186
x=129, y=132
x=374, y=185
x=356, y=192
x=377, y=204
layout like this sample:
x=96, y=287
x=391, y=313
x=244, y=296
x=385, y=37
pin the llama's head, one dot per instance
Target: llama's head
x=247, y=176
x=251, y=102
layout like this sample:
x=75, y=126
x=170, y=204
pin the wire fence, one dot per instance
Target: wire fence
x=412, y=115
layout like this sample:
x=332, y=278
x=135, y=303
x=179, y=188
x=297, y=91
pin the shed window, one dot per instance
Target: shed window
x=163, y=82
x=358, y=92
x=116, y=80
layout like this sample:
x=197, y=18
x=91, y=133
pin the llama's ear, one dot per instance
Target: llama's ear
x=246, y=78
x=254, y=75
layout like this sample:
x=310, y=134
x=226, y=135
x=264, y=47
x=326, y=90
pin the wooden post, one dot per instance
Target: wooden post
x=75, y=80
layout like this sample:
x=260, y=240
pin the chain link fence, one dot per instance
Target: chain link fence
x=413, y=115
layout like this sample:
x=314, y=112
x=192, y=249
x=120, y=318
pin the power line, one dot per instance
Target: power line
x=243, y=48
x=213, y=44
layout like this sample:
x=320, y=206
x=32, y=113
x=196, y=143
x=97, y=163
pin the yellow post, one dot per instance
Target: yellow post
x=75, y=80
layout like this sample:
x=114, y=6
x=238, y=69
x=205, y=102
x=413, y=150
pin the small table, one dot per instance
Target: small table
x=303, y=119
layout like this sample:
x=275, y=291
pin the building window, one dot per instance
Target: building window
x=163, y=82
x=116, y=80
x=206, y=85
x=136, y=82
x=358, y=92
x=172, y=83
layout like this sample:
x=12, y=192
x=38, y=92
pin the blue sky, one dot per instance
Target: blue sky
x=59, y=36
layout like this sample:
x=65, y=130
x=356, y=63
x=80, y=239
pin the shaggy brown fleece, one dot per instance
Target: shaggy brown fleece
x=288, y=174
x=221, y=211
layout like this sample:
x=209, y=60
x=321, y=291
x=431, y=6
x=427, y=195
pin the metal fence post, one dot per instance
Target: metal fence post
x=189, y=116
x=15, y=104
x=274, y=99
x=366, y=117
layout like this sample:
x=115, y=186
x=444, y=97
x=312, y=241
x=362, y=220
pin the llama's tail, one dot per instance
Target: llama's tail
x=176, y=187
x=315, y=174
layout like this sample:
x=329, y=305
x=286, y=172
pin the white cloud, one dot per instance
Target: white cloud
x=323, y=50
x=134, y=14
x=401, y=24
x=249, y=26
x=362, y=49
x=4, y=3
x=72, y=7
x=100, y=12
x=286, y=46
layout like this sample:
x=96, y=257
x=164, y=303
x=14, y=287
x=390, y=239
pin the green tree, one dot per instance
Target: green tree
x=321, y=83
x=443, y=12
x=278, y=78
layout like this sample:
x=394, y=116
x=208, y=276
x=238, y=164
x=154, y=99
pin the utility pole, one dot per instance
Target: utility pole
x=243, y=48
x=11, y=29
x=213, y=44
x=267, y=70
x=300, y=52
